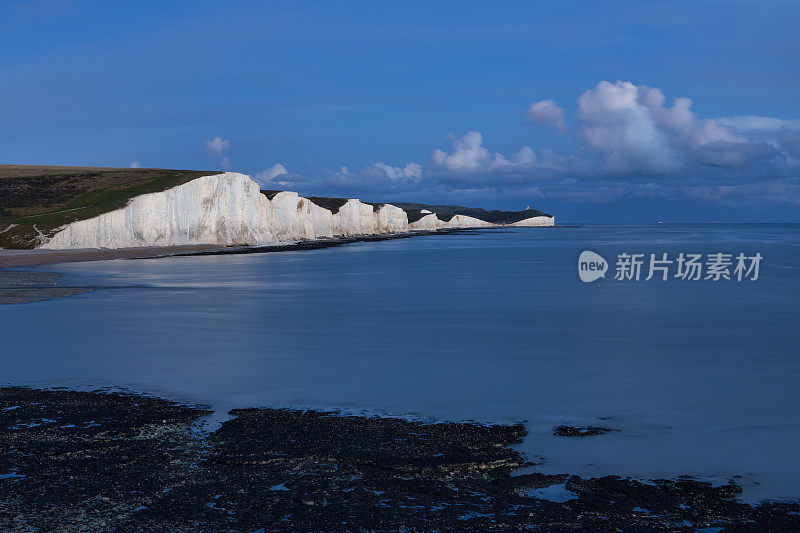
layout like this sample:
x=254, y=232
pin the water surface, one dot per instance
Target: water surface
x=700, y=378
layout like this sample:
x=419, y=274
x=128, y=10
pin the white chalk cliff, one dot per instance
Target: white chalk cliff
x=431, y=222
x=463, y=221
x=535, y=221
x=428, y=222
x=221, y=209
x=229, y=209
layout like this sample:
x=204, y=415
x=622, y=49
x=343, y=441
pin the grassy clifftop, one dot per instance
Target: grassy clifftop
x=35, y=200
x=443, y=212
x=447, y=212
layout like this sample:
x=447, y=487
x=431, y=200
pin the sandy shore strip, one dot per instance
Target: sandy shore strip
x=20, y=286
x=23, y=258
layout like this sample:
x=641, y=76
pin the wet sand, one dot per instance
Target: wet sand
x=25, y=286
x=20, y=286
x=23, y=258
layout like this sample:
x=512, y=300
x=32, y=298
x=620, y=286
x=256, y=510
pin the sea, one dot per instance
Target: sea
x=697, y=377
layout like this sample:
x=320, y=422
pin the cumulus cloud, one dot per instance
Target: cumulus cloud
x=272, y=172
x=758, y=123
x=277, y=176
x=636, y=132
x=412, y=170
x=376, y=176
x=469, y=155
x=523, y=158
x=783, y=135
x=134, y=164
x=216, y=146
x=547, y=112
x=630, y=141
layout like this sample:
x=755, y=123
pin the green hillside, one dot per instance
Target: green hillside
x=35, y=200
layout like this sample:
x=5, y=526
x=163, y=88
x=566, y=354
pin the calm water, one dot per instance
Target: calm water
x=700, y=377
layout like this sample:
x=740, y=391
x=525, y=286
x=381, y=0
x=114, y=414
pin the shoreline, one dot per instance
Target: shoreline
x=23, y=258
x=23, y=286
x=108, y=460
x=36, y=257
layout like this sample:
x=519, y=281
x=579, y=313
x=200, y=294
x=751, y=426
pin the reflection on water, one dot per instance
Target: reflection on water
x=700, y=377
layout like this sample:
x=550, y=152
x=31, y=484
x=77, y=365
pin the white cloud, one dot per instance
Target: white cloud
x=524, y=157
x=376, y=178
x=134, y=164
x=216, y=146
x=413, y=171
x=630, y=143
x=547, y=112
x=614, y=121
x=469, y=155
x=375, y=175
x=756, y=123
x=636, y=133
x=271, y=173
x=278, y=176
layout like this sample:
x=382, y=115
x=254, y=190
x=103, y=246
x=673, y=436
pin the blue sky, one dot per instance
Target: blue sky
x=425, y=101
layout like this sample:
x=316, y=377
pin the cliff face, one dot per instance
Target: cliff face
x=464, y=221
x=219, y=209
x=293, y=217
x=391, y=219
x=428, y=222
x=224, y=209
x=355, y=218
x=432, y=222
x=535, y=221
x=229, y=209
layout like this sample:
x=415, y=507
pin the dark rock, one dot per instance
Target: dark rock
x=580, y=431
x=80, y=461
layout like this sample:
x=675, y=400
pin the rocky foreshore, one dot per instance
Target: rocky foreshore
x=102, y=461
x=18, y=286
